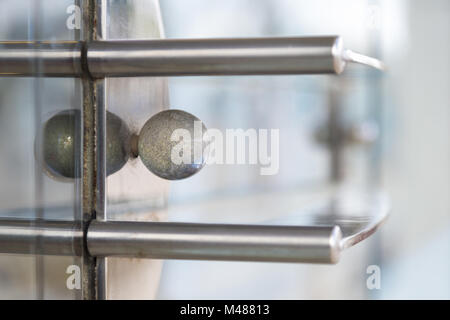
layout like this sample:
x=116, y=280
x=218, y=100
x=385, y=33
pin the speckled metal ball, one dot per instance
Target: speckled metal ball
x=159, y=146
x=61, y=142
x=58, y=144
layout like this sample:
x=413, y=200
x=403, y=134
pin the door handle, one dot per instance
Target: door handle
x=320, y=242
x=179, y=57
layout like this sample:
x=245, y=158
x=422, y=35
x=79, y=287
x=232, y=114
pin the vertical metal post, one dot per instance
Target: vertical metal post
x=100, y=209
x=89, y=158
x=76, y=103
x=101, y=214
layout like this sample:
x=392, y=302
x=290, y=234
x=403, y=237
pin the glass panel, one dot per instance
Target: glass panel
x=134, y=193
x=27, y=188
x=299, y=107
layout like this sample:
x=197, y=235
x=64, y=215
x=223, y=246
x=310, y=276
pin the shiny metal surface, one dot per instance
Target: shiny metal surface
x=314, y=236
x=214, y=242
x=159, y=240
x=31, y=58
x=181, y=57
x=120, y=149
x=55, y=237
x=175, y=57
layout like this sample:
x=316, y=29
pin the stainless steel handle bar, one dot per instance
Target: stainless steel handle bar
x=174, y=240
x=179, y=57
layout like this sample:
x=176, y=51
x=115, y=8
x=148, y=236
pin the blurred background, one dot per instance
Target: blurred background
x=410, y=104
x=400, y=118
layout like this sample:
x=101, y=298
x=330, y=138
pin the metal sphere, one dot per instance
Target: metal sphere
x=171, y=154
x=59, y=143
x=61, y=139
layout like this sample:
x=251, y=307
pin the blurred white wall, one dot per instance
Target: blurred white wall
x=415, y=242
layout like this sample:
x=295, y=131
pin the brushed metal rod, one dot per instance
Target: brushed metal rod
x=179, y=57
x=191, y=241
x=189, y=57
x=55, y=237
x=34, y=58
x=214, y=241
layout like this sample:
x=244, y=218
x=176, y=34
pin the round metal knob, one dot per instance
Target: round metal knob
x=60, y=139
x=171, y=144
